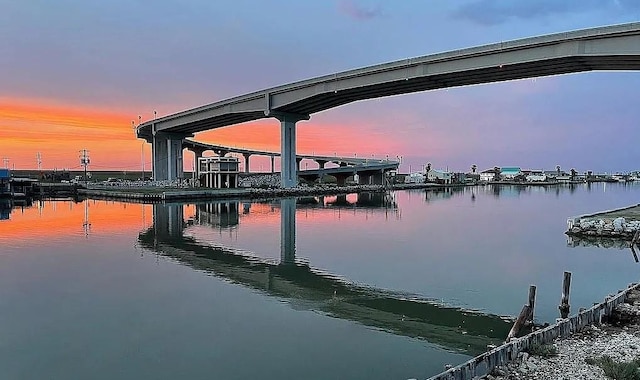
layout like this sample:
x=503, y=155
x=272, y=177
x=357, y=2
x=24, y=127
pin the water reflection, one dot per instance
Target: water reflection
x=7, y=205
x=311, y=288
x=5, y=209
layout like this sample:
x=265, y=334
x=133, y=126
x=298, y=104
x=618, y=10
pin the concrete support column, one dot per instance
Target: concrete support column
x=196, y=164
x=298, y=164
x=321, y=163
x=167, y=156
x=288, y=174
x=273, y=164
x=364, y=178
x=246, y=162
x=378, y=178
x=175, y=166
x=288, y=231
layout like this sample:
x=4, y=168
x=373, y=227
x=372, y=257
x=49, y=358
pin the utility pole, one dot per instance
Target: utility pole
x=84, y=161
x=39, y=164
x=6, y=162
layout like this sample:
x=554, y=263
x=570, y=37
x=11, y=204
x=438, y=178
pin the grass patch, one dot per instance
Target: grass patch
x=617, y=370
x=543, y=350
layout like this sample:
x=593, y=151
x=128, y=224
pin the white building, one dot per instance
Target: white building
x=487, y=175
x=536, y=177
x=218, y=172
x=416, y=177
x=440, y=176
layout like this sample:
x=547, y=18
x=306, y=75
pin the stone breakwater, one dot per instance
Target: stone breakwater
x=619, y=227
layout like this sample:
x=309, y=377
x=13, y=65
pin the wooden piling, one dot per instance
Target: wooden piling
x=633, y=251
x=522, y=317
x=635, y=241
x=564, y=302
x=532, y=302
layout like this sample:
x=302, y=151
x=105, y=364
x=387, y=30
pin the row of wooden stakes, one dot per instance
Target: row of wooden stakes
x=526, y=314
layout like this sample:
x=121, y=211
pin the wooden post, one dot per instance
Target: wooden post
x=635, y=241
x=532, y=302
x=522, y=317
x=633, y=251
x=564, y=302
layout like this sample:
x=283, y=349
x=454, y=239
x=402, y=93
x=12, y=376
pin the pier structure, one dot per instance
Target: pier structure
x=614, y=47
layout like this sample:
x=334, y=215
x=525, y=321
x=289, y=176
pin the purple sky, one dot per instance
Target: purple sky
x=136, y=56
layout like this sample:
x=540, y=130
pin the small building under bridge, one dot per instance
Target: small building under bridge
x=218, y=172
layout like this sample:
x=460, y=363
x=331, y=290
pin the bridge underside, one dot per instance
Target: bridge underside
x=611, y=48
x=327, y=100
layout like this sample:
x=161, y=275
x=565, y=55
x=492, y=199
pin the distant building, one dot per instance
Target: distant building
x=440, y=176
x=487, y=175
x=510, y=172
x=218, y=172
x=554, y=173
x=416, y=177
x=5, y=178
x=536, y=176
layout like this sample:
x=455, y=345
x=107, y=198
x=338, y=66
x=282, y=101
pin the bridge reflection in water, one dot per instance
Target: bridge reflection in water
x=402, y=314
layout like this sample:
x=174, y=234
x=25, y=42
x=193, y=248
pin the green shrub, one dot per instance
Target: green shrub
x=617, y=370
x=543, y=350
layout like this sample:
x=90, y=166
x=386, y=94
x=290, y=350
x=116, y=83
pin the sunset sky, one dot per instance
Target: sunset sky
x=74, y=74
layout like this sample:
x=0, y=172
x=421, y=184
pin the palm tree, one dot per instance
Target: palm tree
x=428, y=169
x=573, y=174
x=474, y=167
x=558, y=169
x=497, y=175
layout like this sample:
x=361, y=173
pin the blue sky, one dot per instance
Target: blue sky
x=132, y=57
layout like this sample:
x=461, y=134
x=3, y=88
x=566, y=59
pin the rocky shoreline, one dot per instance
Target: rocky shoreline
x=619, y=228
x=574, y=357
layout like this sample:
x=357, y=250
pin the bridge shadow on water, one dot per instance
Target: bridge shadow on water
x=300, y=284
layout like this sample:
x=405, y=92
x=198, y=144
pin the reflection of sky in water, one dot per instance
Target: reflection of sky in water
x=75, y=283
x=477, y=247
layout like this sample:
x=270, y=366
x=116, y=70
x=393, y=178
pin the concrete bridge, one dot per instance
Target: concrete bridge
x=398, y=313
x=198, y=148
x=614, y=47
x=371, y=171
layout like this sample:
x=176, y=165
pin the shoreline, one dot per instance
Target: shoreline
x=506, y=360
x=161, y=194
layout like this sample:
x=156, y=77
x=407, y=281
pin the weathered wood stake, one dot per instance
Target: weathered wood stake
x=635, y=241
x=564, y=302
x=633, y=250
x=522, y=317
x=532, y=302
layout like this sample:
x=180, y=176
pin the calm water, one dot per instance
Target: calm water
x=369, y=286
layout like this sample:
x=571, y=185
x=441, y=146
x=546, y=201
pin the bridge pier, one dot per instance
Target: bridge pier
x=371, y=178
x=197, y=153
x=246, y=162
x=167, y=156
x=321, y=163
x=288, y=171
x=273, y=164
